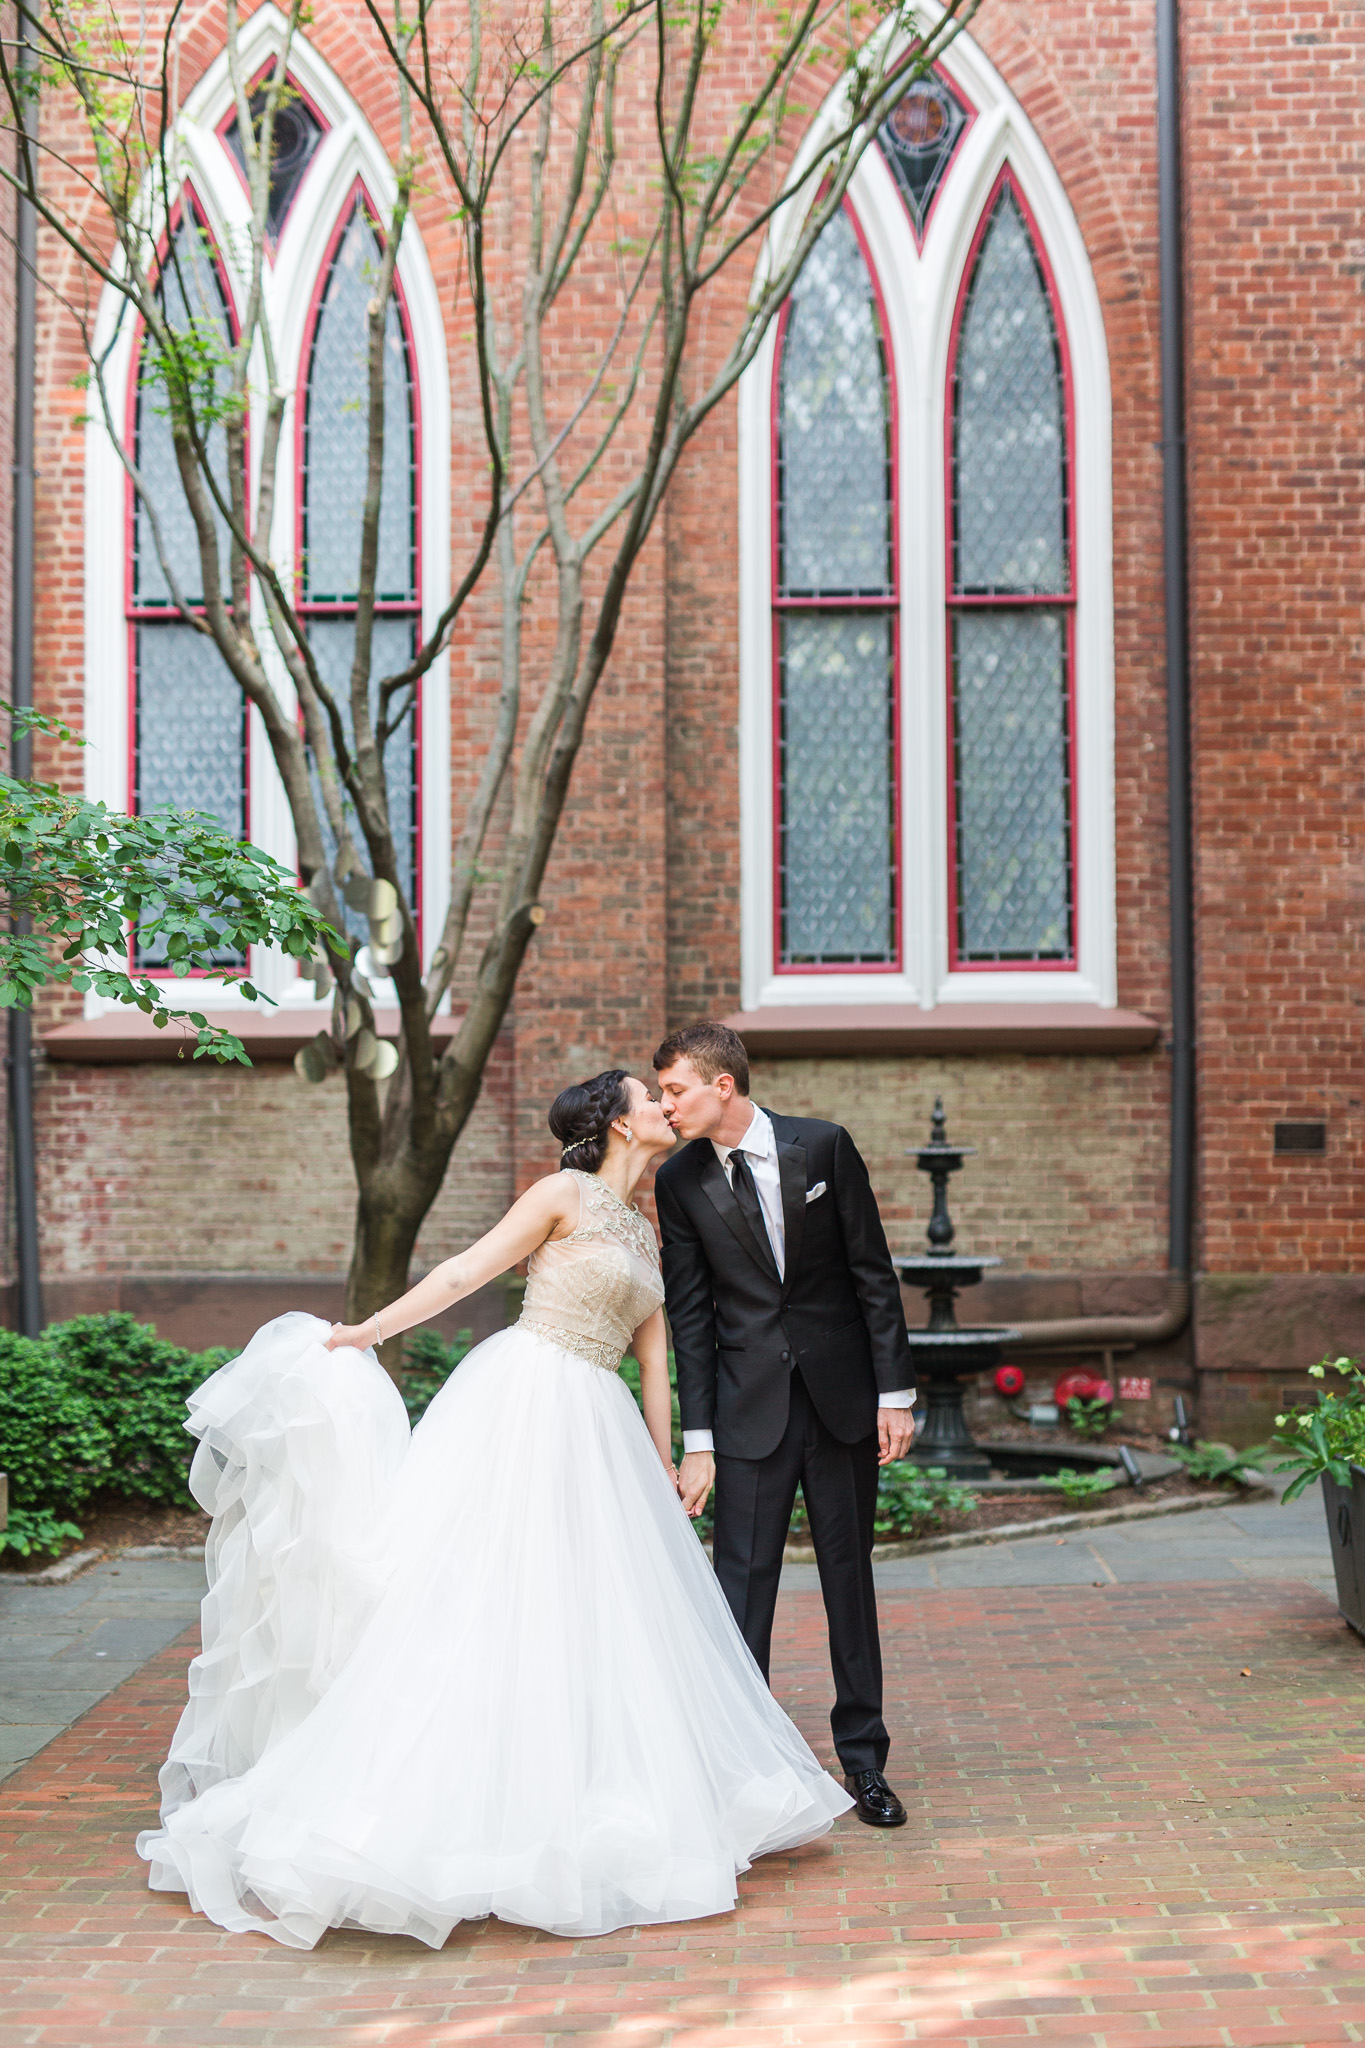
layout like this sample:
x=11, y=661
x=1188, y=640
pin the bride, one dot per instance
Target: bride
x=485, y=1667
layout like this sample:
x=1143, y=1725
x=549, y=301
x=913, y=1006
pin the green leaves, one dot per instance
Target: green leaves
x=1078, y=1487
x=1089, y=1418
x=93, y=1406
x=30, y=1530
x=84, y=876
x=1328, y=1437
x=1220, y=1462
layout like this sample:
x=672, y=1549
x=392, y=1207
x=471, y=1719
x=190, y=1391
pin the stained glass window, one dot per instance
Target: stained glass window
x=297, y=134
x=1010, y=626
x=336, y=465
x=189, y=739
x=918, y=138
x=835, y=615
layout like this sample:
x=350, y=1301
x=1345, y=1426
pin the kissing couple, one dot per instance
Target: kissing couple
x=484, y=1666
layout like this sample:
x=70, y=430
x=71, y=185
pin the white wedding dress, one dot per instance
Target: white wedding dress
x=482, y=1668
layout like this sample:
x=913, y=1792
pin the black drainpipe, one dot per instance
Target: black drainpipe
x=1175, y=523
x=22, y=1148
x=1085, y=1331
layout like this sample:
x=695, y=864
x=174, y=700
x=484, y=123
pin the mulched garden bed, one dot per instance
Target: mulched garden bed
x=115, y=1524
x=119, y=1525
x=993, y=1510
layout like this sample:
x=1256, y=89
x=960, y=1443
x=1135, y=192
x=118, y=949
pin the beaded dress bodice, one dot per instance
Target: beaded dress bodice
x=590, y=1291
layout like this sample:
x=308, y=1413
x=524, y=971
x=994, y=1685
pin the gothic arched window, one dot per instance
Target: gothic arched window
x=168, y=723
x=333, y=483
x=834, y=613
x=189, y=728
x=1010, y=604
x=926, y=657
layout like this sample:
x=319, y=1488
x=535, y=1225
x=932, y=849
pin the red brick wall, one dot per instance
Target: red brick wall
x=643, y=889
x=1275, y=137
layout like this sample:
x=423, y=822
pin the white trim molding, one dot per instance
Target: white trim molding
x=349, y=150
x=919, y=290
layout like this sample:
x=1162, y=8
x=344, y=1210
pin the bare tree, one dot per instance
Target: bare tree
x=694, y=236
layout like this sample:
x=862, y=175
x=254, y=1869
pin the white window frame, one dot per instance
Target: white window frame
x=920, y=290
x=349, y=150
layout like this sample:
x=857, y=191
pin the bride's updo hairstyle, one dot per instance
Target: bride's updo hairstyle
x=582, y=1116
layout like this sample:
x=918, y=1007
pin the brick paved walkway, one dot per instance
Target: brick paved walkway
x=1115, y=1838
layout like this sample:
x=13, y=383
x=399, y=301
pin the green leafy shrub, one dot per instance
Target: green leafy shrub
x=914, y=1498
x=1220, y=1462
x=1079, y=1487
x=1089, y=1418
x=428, y=1362
x=53, y=1443
x=1328, y=1437
x=95, y=1405
x=31, y=1531
x=911, y=1500
x=139, y=1385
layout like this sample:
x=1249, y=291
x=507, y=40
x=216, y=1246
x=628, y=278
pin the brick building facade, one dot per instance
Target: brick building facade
x=884, y=947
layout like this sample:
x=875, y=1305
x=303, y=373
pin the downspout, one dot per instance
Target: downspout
x=1157, y=1329
x=22, y=1147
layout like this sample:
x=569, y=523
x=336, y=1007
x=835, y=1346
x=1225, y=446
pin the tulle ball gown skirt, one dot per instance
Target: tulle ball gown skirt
x=485, y=1668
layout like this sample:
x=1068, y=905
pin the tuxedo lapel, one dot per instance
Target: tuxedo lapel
x=791, y=1173
x=718, y=1192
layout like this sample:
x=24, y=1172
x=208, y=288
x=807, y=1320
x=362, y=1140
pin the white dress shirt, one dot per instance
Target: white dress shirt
x=759, y=1144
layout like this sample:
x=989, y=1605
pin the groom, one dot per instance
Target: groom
x=792, y=1364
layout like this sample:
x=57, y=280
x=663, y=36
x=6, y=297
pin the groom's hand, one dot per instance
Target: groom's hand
x=895, y=1433
x=696, y=1477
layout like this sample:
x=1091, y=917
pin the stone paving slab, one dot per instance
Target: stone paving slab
x=62, y=1648
x=1115, y=1838
x=1262, y=1539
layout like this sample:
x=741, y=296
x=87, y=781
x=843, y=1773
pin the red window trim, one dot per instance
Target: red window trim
x=391, y=607
x=1061, y=602
x=889, y=604
x=135, y=614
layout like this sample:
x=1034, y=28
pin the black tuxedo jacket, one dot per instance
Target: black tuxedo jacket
x=739, y=1330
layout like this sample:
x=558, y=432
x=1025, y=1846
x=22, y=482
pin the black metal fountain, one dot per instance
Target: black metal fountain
x=945, y=1355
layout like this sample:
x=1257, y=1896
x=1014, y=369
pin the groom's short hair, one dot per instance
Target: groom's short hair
x=713, y=1049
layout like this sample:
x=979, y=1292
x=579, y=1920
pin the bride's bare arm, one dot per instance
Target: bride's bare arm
x=650, y=1346
x=537, y=1215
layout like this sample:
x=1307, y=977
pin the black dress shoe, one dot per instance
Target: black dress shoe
x=874, y=1801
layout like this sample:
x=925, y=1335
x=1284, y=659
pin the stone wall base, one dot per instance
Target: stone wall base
x=1242, y=1360
x=1256, y=1334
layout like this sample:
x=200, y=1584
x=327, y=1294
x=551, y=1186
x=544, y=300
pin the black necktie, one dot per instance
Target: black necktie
x=750, y=1208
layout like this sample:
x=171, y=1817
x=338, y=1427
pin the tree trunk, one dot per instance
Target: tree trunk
x=390, y=1211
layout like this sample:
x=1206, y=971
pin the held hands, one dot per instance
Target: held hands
x=695, y=1479
x=895, y=1433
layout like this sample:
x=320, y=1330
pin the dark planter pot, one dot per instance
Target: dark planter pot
x=1345, y=1507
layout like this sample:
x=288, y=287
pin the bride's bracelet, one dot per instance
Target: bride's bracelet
x=378, y=1333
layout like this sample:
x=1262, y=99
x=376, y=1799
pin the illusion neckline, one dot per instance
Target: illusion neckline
x=583, y=1174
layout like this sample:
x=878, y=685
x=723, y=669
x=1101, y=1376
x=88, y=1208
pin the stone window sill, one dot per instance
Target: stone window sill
x=850, y=1031
x=129, y=1038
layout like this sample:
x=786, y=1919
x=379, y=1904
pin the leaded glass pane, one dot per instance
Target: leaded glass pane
x=835, y=475
x=192, y=294
x=297, y=134
x=918, y=138
x=333, y=645
x=838, y=856
x=191, y=737
x=1013, y=808
x=1009, y=470
x=336, y=454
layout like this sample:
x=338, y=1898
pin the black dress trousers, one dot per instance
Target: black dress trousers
x=753, y=1507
